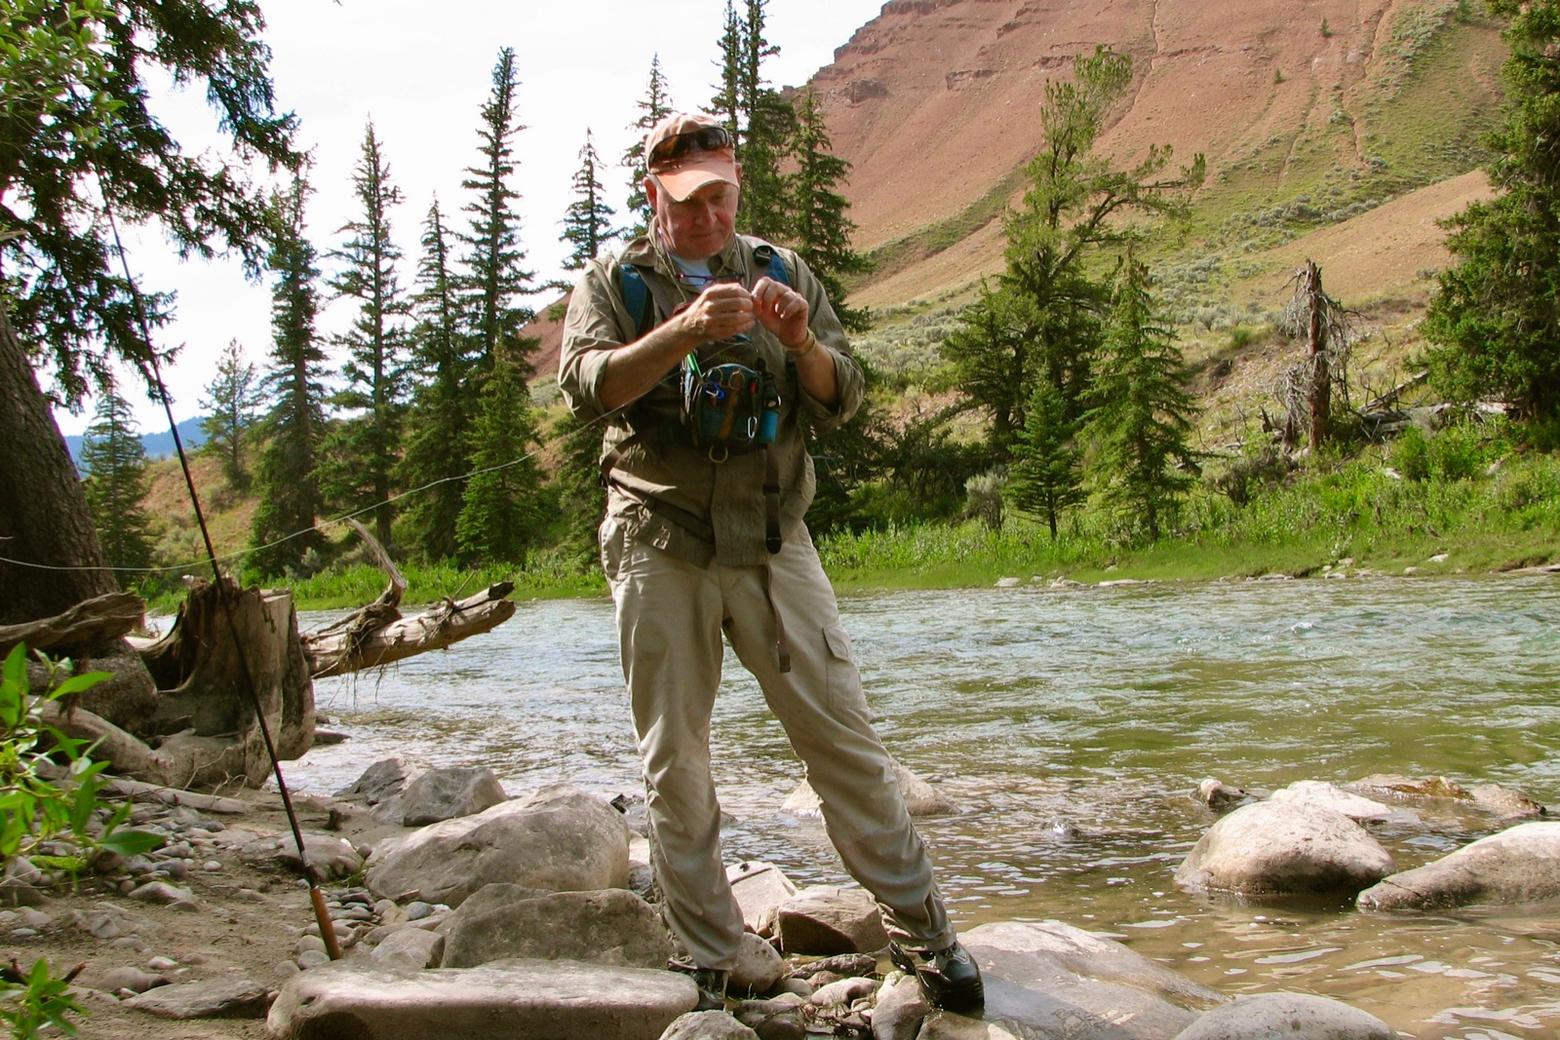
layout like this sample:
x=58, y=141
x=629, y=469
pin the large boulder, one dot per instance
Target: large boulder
x=759, y=888
x=447, y=792
x=1329, y=796
x=1271, y=848
x=822, y=920
x=1052, y=981
x=1518, y=865
x=1276, y=1016
x=560, y=839
x=505, y=1000
x=609, y=926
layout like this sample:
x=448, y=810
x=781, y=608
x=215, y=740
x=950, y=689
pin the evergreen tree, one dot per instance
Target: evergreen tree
x=503, y=514
x=727, y=102
x=821, y=229
x=587, y=225
x=287, y=479
x=437, y=444
x=577, y=481
x=1493, y=321
x=1141, y=411
x=991, y=354
x=361, y=453
x=760, y=120
x=1045, y=477
x=230, y=403
x=654, y=107
x=116, y=484
x=494, y=274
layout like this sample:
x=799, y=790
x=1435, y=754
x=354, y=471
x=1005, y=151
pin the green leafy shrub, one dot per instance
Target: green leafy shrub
x=37, y=1001
x=1411, y=454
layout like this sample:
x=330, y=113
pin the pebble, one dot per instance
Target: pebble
x=31, y=917
x=211, y=866
x=130, y=942
x=312, y=959
x=417, y=910
x=177, y=869
x=129, y=978
x=162, y=964
x=24, y=933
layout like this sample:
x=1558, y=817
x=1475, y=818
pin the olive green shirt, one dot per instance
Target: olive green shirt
x=669, y=492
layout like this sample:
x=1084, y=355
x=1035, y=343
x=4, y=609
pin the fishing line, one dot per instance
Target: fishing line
x=316, y=894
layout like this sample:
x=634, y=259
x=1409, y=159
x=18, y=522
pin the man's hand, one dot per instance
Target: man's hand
x=783, y=311
x=722, y=310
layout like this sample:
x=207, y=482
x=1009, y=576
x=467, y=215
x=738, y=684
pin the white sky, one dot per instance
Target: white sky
x=422, y=71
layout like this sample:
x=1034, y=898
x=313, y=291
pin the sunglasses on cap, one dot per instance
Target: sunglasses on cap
x=704, y=139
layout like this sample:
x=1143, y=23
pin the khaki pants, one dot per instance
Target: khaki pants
x=670, y=616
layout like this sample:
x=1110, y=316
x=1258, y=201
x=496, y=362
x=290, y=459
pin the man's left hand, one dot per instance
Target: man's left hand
x=782, y=310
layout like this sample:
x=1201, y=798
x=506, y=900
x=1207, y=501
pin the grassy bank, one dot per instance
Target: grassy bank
x=1436, y=512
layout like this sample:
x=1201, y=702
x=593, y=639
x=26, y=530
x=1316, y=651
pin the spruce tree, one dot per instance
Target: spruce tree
x=1141, y=412
x=820, y=228
x=1494, y=321
x=503, y=514
x=726, y=105
x=655, y=106
x=1045, y=478
x=231, y=399
x=991, y=350
x=361, y=452
x=494, y=277
x=287, y=479
x=116, y=484
x=438, y=439
x=587, y=225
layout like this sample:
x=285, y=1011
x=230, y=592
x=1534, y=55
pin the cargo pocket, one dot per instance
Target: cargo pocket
x=844, y=682
x=611, y=536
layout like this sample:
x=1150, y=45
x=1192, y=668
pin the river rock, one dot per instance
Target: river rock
x=22, y=884
x=777, y=1019
x=124, y=977
x=1518, y=865
x=226, y=997
x=758, y=966
x=1491, y=799
x=411, y=948
x=1052, y=980
x=759, y=889
x=1274, y=1016
x=841, y=965
x=707, y=1025
x=379, y=782
x=1218, y=795
x=921, y=799
x=330, y=855
x=822, y=920
x=559, y=839
x=164, y=894
x=1276, y=848
x=1328, y=796
x=610, y=926
x=445, y=793
x=900, y=1008
x=843, y=992
x=504, y=1000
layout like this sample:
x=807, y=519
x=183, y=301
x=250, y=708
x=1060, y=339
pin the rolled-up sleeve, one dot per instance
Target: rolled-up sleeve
x=592, y=329
x=825, y=325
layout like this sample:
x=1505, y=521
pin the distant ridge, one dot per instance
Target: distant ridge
x=157, y=445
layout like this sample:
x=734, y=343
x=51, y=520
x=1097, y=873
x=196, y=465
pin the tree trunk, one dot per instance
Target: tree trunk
x=44, y=518
x=1320, y=390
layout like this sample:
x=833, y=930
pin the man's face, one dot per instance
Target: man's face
x=699, y=226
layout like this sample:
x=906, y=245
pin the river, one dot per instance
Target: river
x=1071, y=727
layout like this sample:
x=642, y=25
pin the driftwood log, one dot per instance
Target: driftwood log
x=374, y=636
x=91, y=621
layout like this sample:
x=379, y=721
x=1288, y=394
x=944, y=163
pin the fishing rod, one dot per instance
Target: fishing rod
x=224, y=587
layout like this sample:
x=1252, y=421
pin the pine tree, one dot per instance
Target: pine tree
x=992, y=357
x=362, y=451
x=230, y=403
x=587, y=225
x=437, y=444
x=1045, y=478
x=116, y=484
x=821, y=229
x=1493, y=320
x=494, y=273
x=502, y=514
x=769, y=124
x=287, y=481
x=1141, y=411
x=727, y=102
x=654, y=107
x=577, y=480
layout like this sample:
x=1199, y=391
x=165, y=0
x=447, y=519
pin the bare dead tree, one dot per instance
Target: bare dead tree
x=1306, y=388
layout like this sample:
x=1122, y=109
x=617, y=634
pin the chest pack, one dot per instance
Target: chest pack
x=727, y=408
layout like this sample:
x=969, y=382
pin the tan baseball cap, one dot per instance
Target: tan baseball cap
x=685, y=152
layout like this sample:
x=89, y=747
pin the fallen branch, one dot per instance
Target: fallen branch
x=337, y=650
x=94, y=620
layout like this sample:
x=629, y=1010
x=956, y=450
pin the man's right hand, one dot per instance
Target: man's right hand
x=722, y=310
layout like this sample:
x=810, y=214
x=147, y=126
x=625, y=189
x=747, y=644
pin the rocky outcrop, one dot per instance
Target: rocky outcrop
x=611, y=926
x=1272, y=848
x=505, y=1000
x=449, y=792
x=1518, y=865
x=1329, y=796
x=559, y=839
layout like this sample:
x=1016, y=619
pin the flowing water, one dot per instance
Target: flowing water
x=1071, y=727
